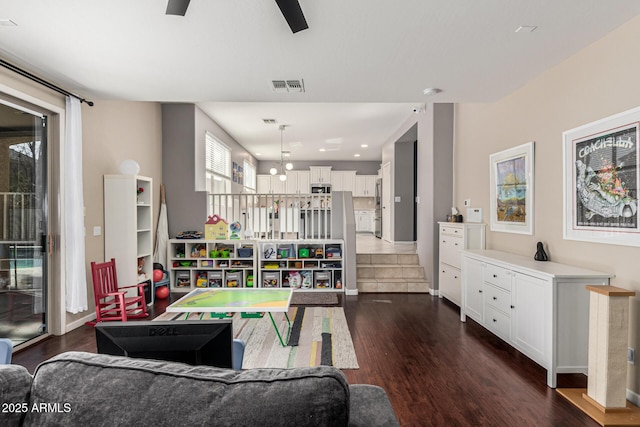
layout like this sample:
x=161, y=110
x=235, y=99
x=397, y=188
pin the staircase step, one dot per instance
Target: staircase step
x=389, y=271
x=386, y=259
x=392, y=285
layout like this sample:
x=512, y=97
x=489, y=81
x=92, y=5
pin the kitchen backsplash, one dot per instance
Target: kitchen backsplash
x=364, y=203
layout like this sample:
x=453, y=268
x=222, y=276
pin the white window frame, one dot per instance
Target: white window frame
x=218, y=170
x=249, y=172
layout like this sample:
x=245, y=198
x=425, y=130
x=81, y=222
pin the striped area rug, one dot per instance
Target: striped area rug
x=319, y=336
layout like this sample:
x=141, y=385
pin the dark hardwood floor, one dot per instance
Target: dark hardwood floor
x=436, y=370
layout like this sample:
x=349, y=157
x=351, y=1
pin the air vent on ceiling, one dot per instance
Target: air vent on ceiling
x=270, y=121
x=287, y=85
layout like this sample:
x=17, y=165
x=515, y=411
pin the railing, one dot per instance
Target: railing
x=18, y=219
x=275, y=216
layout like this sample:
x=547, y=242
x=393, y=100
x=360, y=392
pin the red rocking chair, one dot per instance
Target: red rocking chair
x=111, y=302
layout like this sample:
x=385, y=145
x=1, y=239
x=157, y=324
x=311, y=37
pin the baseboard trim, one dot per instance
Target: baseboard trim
x=351, y=292
x=434, y=292
x=77, y=323
x=633, y=397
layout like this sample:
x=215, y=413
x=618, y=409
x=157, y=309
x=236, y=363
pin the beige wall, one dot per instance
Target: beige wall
x=597, y=82
x=113, y=131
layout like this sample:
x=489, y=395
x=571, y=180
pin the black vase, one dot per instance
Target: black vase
x=541, y=255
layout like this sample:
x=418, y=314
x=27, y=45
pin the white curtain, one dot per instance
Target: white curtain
x=75, y=271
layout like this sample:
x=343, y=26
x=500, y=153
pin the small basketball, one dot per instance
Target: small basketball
x=157, y=275
x=162, y=292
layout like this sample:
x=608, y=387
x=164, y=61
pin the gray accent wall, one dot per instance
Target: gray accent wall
x=443, y=131
x=184, y=127
x=403, y=184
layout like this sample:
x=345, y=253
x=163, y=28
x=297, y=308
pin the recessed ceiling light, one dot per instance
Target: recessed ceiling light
x=526, y=28
x=364, y=145
x=322, y=149
x=356, y=155
x=270, y=121
x=7, y=23
x=258, y=154
x=431, y=91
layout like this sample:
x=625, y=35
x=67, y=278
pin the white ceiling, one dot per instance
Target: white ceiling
x=365, y=63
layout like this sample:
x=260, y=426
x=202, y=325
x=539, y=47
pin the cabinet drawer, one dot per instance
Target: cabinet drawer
x=498, y=276
x=452, y=230
x=450, y=247
x=450, y=283
x=497, y=322
x=497, y=298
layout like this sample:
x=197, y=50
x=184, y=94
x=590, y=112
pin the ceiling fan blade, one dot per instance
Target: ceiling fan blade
x=292, y=12
x=177, y=7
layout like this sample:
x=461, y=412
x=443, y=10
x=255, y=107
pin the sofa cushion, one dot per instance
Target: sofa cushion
x=15, y=383
x=119, y=391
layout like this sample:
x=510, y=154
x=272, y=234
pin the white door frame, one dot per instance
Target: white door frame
x=386, y=202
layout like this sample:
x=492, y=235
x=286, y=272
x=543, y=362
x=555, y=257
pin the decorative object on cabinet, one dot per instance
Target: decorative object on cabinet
x=454, y=238
x=215, y=228
x=541, y=309
x=235, y=228
x=128, y=234
x=512, y=189
x=601, y=175
x=540, y=255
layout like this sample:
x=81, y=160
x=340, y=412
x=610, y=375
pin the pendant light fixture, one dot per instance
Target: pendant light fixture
x=288, y=166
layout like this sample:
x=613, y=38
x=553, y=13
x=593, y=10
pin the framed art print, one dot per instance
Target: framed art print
x=601, y=181
x=511, y=190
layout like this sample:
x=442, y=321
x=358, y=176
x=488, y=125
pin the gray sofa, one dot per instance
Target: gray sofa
x=85, y=389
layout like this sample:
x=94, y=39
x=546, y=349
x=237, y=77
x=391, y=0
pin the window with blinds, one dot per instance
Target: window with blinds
x=218, y=157
x=249, y=176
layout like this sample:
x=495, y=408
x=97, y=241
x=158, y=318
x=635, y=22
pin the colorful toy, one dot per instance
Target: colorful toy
x=157, y=275
x=235, y=228
x=162, y=292
x=215, y=228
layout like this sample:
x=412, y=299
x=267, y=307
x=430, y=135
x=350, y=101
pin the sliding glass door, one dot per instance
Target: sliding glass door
x=23, y=223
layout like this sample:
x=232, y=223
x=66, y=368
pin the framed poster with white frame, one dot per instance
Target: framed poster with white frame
x=601, y=180
x=511, y=192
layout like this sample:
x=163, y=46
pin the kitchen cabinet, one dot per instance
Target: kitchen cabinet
x=320, y=174
x=454, y=238
x=343, y=181
x=364, y=221
x=297, y=182
x=365, y=186
x=270, y=184
x=539, y=308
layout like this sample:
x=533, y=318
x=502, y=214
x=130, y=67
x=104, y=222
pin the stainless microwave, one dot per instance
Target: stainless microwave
x=320, y=189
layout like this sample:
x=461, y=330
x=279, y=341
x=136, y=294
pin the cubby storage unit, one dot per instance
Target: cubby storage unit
x=211, y=263
x=128, y=224
x=313, y=265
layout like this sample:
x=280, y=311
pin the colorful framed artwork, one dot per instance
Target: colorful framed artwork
x=234, y=172
x=601, y=180
x=511, y=192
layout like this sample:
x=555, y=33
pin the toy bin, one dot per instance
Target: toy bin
x=270, y=279
x=215, y=279
x=233, y=279
x=306, y=277
x=183, y=279
x=245, y=252
x=322, y=280
x=269, y=251
x=201, y=279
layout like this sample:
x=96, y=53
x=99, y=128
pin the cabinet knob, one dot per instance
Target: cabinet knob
x=495, y=298
x=479, y=291
x=443, y=271
x=455, y=277
x=494, y=320
x=455, y=244
x=495, y=276
x=513, y=306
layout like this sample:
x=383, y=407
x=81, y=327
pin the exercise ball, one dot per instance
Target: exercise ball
x=162, y=292
x=157, y=275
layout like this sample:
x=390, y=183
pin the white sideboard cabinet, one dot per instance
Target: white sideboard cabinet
x=540, y=308
x=454, y=238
